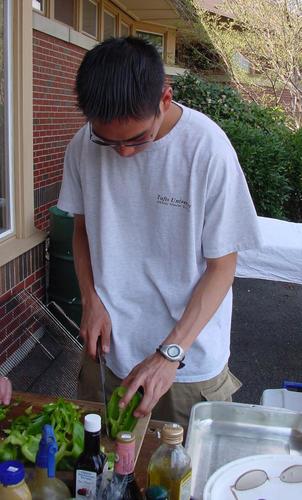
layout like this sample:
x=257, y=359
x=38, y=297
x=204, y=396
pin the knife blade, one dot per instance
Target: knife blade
x=102, y=363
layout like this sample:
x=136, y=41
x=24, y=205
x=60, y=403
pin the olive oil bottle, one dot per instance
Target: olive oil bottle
x=170, y=465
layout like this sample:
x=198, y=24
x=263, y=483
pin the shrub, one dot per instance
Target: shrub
x=269, y=152
x=222, y=102
x=293, y=207
x=264, y=160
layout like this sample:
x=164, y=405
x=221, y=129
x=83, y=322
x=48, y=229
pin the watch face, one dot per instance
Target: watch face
x=173, y=351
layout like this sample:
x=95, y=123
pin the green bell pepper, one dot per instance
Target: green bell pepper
x=3, y=412
x=24, y=433
x=30, y=448
x=122, y=419
x=7, y=452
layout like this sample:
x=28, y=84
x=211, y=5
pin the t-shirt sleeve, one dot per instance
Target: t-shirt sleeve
x=71, y=197
x=230, y=222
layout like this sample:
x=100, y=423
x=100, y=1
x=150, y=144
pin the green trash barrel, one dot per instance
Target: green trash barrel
x=63, y=285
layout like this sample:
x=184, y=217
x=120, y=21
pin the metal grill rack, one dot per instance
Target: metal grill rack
x=46, y=351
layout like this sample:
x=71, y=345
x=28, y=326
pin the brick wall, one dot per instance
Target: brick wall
x=25, y=272
x=55, y=116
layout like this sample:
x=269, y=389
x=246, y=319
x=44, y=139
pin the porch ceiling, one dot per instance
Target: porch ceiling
x=155, y=11
x=174, y=13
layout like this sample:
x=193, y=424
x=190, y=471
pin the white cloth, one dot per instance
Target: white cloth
x=279, y=258
x=151, y=221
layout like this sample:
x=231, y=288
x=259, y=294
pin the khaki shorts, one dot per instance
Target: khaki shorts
x=175, y=405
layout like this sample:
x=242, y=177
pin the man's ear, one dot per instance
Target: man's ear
x=167, y=98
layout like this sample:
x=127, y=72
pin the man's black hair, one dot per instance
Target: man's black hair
x=120, y=78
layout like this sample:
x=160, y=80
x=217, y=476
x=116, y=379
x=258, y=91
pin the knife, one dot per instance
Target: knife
x=102, y=363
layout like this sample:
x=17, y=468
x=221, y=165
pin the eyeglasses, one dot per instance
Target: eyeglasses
x=255, y=478
x=116, y=144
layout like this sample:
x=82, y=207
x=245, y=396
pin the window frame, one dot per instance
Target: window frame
x=25, y=235
x=42, y=12
x=112, y=14
x=8, y=122
x=151, y=32
x=124, y=23
x=75, y=15
x=81, y=7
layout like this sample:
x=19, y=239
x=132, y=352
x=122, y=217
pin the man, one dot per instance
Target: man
x=161, y=209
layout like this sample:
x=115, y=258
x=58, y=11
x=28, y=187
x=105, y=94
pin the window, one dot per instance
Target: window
x=38, y=5
x=156, y=39
x=6, y=174
x=18, y=233
x=109, y=25
x=64, y=11
x=125, y=29
x=89, y=17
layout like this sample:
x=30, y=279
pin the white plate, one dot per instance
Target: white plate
x=219, y=485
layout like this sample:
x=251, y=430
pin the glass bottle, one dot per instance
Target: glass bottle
x=90, y=464
x=123, y=485
x=44, y=484
x=13, y=486
x=170, y=465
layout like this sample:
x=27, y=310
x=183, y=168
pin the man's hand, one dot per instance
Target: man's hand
x=95, y=323
x=5, y=390
x=155, y=375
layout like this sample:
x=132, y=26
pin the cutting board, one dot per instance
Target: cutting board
x=38, y=400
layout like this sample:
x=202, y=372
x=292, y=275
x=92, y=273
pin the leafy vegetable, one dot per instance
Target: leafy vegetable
x=122, y=419
x=24, y=435
x=3, y=412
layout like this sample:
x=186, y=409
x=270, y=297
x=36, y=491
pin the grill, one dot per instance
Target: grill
x=45, y=347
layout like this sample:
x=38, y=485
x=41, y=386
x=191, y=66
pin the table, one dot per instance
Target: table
x=150, y=442
x=279, y=258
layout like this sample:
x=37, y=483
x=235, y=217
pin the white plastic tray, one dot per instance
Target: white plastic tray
x=221, y=432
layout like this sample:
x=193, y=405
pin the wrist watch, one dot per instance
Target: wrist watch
x=172, y=352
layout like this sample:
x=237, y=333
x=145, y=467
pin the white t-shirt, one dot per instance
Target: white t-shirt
x=151, y=221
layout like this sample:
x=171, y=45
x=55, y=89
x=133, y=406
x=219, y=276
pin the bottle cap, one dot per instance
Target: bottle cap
x=156, y=493
x=92, y=422
x=124, y=453
x=172, y=434
x=11, y=472
x=125, y=437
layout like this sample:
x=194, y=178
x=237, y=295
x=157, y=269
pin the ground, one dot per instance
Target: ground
x=266, y=336
x=266, y=345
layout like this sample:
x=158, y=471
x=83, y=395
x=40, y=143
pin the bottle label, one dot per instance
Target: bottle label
x=185, y=486
x=125, y=453
x=85, y=484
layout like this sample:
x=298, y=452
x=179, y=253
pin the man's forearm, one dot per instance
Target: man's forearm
x=95, y=322
x=205, y=300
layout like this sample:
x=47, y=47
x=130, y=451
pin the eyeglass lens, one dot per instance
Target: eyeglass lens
x=255, y=478
x=292, y=475
x=251, y=479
